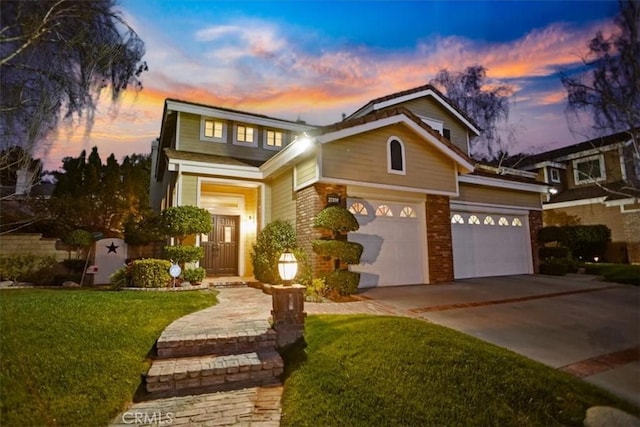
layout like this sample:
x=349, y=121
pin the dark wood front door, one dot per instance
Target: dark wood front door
x=221, y=249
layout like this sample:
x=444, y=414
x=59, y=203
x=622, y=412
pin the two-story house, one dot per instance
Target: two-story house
x=595, y=182
x=400, y=163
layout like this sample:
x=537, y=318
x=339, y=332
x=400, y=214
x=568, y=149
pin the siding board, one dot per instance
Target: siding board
x=498, y=196
x=363, y=157
x=283, y=204
x=306, y=171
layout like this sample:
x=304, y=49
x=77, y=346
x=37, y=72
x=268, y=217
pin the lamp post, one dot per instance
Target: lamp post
x=288, y=303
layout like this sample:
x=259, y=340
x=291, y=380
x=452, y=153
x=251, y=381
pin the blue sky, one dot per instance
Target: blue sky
x=317, y=60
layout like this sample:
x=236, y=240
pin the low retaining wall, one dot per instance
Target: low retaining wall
x=30, y=243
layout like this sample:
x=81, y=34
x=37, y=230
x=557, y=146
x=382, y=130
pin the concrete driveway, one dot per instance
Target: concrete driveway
x=575, y=323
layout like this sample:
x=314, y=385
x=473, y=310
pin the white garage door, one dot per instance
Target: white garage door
x=489, y=244
x=393, y=241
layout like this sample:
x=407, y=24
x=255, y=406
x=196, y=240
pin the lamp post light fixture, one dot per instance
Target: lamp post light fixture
x=288, y=303
x=287, y=266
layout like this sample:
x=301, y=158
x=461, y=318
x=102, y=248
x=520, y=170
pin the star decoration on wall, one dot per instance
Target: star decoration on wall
x=112, y=248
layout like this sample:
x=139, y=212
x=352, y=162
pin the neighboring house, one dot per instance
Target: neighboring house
x=427, y=212
x=595, y=182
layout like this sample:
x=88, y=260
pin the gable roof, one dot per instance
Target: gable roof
x=417, y=92
x=385, y=117
x=560, y=153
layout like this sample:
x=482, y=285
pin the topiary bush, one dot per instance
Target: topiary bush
x=271, y=241
x=551, y=234
x=78, y=239
x=31, y=268
x=194, y=275
x=554, y=268
x=347, y=252
x=587, y=241
x=553, y=252
x=183, y=254
x=339, y=221
x=182, y=221
x=150, y=273
x=344, y=281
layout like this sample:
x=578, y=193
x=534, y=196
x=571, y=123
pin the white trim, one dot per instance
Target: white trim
x=403, y=158
x=461, y=206
x=298, y=146
x=622, y=203
x=435, y=124
x=387, y=121
x=590, y=152
x=500, y=183
x=356, y=192
x=178, y=131
x=546, y=163
x=387, y=186
x=623, y=167
x=571, y=203
x=426, y=92
x=189, y=166
x=236, y=116
x=203, y=137
x=578, y=179
x=545, y=177
x=179, y=190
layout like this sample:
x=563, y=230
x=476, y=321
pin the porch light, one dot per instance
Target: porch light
x=553, y=191
x=287, y=266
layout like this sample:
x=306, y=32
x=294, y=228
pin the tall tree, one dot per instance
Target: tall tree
x=100, y=197
x=609, y=90
x=487, y=106
x=56, y=58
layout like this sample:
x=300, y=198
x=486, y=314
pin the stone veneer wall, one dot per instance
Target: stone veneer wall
x=439, y=242
x=631, y=221
x=30, y=243
x=535, y=224
x=310, y=201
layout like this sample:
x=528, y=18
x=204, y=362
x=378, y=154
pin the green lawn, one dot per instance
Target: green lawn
x=619, y=273
x=75, y=357
x=384, y=371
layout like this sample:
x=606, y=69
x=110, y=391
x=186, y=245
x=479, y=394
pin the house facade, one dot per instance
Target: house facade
x=595, y=182
x=427, y=212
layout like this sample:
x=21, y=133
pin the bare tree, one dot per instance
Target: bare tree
x=56, y=58
x=609, y=90
x=488, y=107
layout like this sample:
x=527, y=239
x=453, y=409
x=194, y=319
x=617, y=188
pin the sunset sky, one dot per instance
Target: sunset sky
x=317, y=60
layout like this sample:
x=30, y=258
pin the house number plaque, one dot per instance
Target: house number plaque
x=333, y=199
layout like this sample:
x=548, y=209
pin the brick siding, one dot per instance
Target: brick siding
x=310, y=201
x=535, y=224
x=439, y=243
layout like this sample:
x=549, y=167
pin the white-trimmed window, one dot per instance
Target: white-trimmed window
x=212, y=130
x=245, y=135
x=384, y=210
x=488, y=220
x=555, y=175
x=407, y=212
x=273, y=139
x=457, y=219
x=589, y=169
x=503, y=221
x=358, y=208
x=395, y=156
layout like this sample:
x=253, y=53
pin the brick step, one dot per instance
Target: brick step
x=222, y=342
x=205, y=374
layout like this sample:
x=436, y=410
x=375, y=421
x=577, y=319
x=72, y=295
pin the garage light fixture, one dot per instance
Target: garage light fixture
x=553, y=191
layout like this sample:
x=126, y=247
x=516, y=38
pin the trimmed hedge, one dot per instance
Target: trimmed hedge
x=344, y=281
x=348, y=252
x=554, y=269
x=31, y=268
x=194, y=275
x=551, y=234
x=150, y=273
x=271, y=241
x=553, y=252
x=183, y=254
x=337, y=219
x=587, y=241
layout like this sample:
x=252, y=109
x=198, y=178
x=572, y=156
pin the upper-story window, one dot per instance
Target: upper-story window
x=245, y=135
x=589, y=169
x=555, y=175
x=446, y=133
x=212, y=130
x=436, y=125
x=395, y=156
x=273, y=139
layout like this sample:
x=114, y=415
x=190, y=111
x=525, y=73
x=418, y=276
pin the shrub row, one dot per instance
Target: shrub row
x=31, y=268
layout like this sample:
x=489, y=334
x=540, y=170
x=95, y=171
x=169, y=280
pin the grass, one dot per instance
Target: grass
x=75, y=357
x=619, y=273
x=384, y=371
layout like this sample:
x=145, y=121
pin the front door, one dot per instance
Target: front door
x=221, y=249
